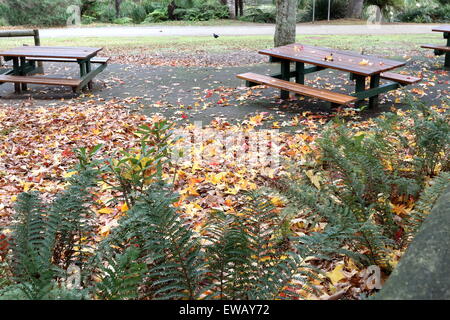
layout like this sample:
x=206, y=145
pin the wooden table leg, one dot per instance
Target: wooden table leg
x=16, y=69
x=285, y=75
x=374, y=83
x=88, y=69
x=83, y=72
x=447, y=54
x=360, y=85
x=300, y=72
x=22, y=72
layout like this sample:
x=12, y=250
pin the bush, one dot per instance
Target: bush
x=258, y=15
x=133, y=10
x=425, y=14
x=87, y=19
x=123, y=20
x=201, y=12
x=363, y=176
x=158, y=15
x=101, y=11
x=35, y=13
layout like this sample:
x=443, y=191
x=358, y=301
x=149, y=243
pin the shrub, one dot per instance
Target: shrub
x=425, y=14
x=36, y=13
x=87, y=19
x=123, y=20
x=158, y=15
x=133, y=10
x=101, y=11
x=363, y=176
x=258, y=15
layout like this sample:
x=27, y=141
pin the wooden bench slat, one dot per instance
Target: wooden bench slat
x=41, y=80
x=93, y=60
x=297, y=88
x=401, y=78
x=436, y=47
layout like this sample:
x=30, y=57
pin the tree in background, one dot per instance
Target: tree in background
x=355, y=9
x=117, y=6
x=286, y=17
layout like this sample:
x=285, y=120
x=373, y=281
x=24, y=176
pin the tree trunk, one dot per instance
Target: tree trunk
x=231, y=8
x=117, y=5
x=171, y=10
x=285, y=22
x=355, y=9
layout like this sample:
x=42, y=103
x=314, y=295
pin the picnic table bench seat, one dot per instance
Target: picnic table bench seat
x=441, y=49
x=101, y=60
x=333, y=97
x=74, y=83
x=436, y=47
x=400, y=78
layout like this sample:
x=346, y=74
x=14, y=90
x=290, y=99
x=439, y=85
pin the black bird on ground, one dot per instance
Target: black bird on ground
x=215, y=35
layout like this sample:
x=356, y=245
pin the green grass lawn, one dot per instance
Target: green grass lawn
x=381, y=44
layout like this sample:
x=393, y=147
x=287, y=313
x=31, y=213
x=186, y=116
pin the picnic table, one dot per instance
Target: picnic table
x=441, y=50
x=25, y=58
x=360, y=67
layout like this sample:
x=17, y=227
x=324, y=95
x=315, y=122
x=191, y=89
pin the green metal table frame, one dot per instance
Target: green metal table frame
x=22, y=67
x=438, y=52
x=360, y=81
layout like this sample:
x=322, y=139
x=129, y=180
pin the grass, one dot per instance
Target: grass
x=380, y=44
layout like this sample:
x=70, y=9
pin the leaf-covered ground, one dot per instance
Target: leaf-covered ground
x=40, y=129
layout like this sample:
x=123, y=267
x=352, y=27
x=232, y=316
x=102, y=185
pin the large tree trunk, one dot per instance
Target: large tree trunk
x=171, y=10
x=117, y=5
x=239, y=4
x=285, y=22
x=231, y=8
x=355, y=9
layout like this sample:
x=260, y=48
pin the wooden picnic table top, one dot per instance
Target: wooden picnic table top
x=52, y=52
x=334, y=59
x=445, y=28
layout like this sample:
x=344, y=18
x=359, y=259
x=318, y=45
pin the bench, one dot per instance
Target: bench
x=333, y=97
x=100, y=60
x=441, y=50
x=74, y=83
x=23, y=33
x=438, y=50
x=400, y=78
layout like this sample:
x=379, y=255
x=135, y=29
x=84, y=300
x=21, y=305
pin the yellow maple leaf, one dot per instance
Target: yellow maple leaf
x=105, y=211
x=26, y=186
x=336, y=275
x=364, y=62
x=315, y=179
x=69, y=174
x=124, y=207
x=276, y=201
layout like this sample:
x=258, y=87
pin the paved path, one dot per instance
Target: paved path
x=264, y=29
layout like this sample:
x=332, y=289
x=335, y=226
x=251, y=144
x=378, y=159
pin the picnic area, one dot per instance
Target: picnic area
x=224, y=150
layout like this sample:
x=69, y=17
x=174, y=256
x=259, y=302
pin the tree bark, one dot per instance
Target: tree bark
x=231, y=8
x=355, y=9
x=117, y=5
x=171, y=10
x=285, y=22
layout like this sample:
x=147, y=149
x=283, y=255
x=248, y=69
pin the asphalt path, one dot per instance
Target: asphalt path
x=244, y=30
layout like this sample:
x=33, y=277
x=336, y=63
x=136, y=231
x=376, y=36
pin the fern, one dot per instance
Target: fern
x=32, y=246
x=248, y=258
x=167, y=245
x=426, y=202
x=122, y=276
x=72, y=210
